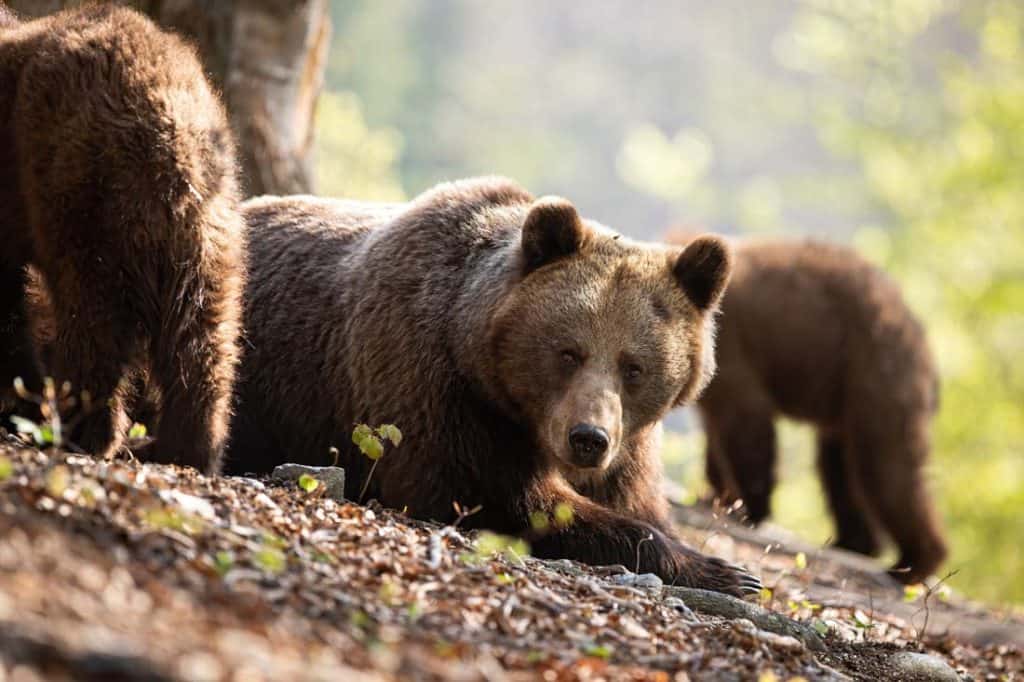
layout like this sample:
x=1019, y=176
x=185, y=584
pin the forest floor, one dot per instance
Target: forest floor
x=116, y=570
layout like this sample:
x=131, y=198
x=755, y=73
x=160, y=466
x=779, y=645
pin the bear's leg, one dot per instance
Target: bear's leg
x=748, y=442
x=16, y=355
x=716, y=471
x=600, y=536
x=846, y=501
x=94, y=344
x=195, y=370
x=891, y=475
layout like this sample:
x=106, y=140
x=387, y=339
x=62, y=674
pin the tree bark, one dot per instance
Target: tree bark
x=267, y=57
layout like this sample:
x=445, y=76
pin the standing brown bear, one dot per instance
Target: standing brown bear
x=117, y=181
x=815, y=333
x=528, y=356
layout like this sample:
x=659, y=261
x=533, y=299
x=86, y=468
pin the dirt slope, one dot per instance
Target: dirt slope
x=115, y=570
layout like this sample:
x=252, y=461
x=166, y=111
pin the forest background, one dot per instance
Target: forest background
x=896, y=126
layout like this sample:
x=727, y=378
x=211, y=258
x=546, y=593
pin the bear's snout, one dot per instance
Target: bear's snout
x=588, y=444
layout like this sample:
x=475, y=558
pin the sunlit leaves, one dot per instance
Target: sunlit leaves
x=308, y=483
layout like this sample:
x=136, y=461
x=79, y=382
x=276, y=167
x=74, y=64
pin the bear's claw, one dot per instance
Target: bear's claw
x=732, y=579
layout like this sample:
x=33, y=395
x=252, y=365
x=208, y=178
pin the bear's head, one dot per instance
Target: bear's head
x=600, y=336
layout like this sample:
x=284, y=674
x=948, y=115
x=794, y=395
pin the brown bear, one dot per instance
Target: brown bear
x=117, y=181
x=528, y=356
x=813, y=332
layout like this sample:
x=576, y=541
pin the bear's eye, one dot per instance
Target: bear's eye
x=571, y=358
x=633, y=371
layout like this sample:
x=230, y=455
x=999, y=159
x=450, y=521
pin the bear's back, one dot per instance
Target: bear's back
x=370, y=294
x=91, y=96
x=813, y=319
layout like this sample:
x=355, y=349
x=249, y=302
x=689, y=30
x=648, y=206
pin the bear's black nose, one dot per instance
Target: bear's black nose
x=588, y=443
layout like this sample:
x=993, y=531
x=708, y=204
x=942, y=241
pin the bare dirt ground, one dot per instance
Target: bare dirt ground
x=121, y=571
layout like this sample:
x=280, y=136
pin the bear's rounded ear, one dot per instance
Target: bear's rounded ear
x=703, y=269
x=552, y=230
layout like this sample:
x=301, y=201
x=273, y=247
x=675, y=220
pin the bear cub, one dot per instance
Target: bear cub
x=528, y=356
x=117, y=181
x=814, y=332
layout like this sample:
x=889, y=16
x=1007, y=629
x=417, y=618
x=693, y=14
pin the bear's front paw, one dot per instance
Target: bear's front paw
x=704, y=572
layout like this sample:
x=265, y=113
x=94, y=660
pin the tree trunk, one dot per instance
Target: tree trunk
x=267, y=57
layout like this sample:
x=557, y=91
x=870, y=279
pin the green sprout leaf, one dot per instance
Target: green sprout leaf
x=46, y=435
x=6, y=468
x=516, y=549
x=912, y=592
x=372, y=448
x=368, y=443
x=270, y=560
x=563, y=514
x=599, y=651
x=800, y=560
x=539, y=521
x=488, y=543
x=137, y=431
x=390, y=432
x=361, y=433
x=223, y=562
x=308, y=483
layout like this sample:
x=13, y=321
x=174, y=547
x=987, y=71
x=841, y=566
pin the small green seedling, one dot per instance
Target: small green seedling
x=223, y=562
x=488, y=544
x=371, y=443
x=539, y=521
x=49, y=431
x=911, y=593
x=42, y=435
x=308, y=483
x=563, y=514
x=270, y=559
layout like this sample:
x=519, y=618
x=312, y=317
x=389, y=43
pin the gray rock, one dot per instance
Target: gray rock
x=915, y=667
x=646, y=581
x=718, y=604
x=332, y=478
x=680, y=606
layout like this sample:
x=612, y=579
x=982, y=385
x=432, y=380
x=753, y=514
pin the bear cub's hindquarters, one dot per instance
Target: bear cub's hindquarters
x=528, y=356
x=813, y=332
x=117, y=182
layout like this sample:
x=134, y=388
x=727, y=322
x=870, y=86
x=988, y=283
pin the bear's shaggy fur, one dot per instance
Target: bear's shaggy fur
x=815, y=333
x=117, y=181
x=527, y=355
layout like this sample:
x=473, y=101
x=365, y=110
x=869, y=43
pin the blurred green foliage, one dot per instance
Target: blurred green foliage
x=942, y=156
x=895, y=124
x=352, y=159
